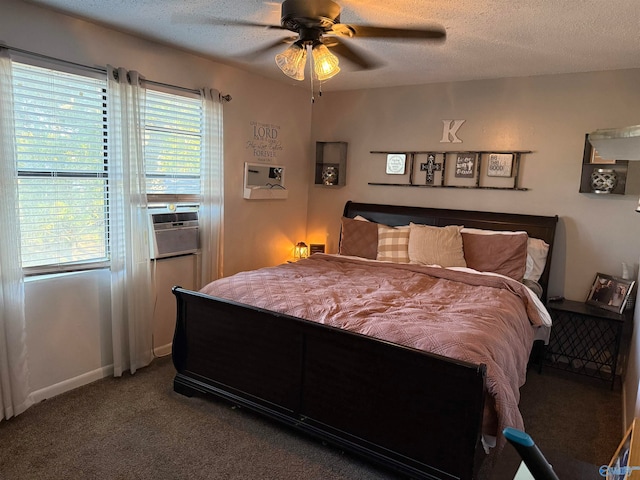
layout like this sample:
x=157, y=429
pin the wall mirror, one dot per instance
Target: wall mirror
x=263, y=181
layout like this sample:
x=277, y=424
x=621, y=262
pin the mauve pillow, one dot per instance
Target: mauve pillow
x=359, y=239
x=505, y=254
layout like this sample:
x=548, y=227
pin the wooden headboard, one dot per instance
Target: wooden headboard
x=536, y=226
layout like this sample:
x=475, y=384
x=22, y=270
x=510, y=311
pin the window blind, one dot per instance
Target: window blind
x=173, y=140
x=60, y=122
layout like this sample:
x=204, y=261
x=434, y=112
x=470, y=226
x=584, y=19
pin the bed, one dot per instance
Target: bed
x=285, y=353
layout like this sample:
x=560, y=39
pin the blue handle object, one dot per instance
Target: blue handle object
x=530, y=453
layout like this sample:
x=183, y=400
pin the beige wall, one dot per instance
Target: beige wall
x=548, y=115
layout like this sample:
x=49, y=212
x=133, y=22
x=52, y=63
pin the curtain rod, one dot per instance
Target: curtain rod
x=226, y=98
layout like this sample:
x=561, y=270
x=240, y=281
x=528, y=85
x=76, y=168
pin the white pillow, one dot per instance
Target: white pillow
x=479, y=231
x=537, y=251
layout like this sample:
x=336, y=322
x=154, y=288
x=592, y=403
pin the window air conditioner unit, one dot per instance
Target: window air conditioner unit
x=173, y=234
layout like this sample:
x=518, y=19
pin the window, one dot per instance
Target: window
x=60, y=122
x=62, y=160
x=173, y=131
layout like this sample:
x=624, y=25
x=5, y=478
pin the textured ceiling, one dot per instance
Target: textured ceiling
x=485, y=38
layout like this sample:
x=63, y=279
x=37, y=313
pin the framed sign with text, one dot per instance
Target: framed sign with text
x=465, y=165
x=500, y=165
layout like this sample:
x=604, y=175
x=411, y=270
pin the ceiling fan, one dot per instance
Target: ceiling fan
x=318, y=28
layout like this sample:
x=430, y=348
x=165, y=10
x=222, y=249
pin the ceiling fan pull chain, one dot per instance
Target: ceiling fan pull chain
x=310, y=57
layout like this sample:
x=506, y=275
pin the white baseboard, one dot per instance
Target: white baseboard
x=84, y=379
x=71, y=383
x=163, y=350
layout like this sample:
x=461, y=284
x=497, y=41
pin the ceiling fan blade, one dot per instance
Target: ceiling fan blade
x=205, y=20
x=365, y=62
x=369, y=31
x=266, y=48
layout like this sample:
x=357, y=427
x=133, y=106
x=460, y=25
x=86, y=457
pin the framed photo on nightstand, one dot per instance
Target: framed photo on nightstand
x=610, y=293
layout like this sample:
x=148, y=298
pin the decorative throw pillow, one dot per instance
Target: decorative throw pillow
x=393, y=243
x=503, y=253
x=430, y=245
x=359, y=239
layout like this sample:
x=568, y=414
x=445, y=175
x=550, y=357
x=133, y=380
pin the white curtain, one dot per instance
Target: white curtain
x=131, y=292
x=212, y=186
x=14, y=373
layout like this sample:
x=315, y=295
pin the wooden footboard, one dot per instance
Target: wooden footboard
x=415, y=412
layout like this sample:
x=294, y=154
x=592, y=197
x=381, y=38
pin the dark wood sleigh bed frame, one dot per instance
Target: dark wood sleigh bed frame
x=417, y=413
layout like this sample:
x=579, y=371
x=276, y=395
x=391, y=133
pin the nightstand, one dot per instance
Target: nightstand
x=588, y=340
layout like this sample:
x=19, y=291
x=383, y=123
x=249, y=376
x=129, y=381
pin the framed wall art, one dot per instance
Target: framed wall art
x=610, y=293
x=500, y=165
x=396, y=163
x=465, y=165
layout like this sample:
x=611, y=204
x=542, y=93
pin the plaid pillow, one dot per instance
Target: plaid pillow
x=393, y=244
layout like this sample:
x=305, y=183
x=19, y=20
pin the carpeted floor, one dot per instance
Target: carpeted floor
x=136, y=427
x=572, y=415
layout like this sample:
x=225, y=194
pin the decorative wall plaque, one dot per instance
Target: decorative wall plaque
x=500, y=165
x=465, y=165
x=396, y=163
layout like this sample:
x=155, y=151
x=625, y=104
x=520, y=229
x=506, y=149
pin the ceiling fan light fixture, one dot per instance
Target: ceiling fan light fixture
x=325, y=63
x=292, y=61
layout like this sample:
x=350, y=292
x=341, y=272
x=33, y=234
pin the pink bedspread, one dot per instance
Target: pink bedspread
x=476, y=318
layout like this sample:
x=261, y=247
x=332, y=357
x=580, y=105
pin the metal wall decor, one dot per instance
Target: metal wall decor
x=330, y=174
x=603, y=180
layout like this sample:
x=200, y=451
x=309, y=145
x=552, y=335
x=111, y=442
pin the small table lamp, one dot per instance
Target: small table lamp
x=301, y=250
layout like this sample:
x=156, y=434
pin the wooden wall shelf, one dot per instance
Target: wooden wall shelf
x=439, y=168
x=469, y=187
x=331, y=164
x=627, y=173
